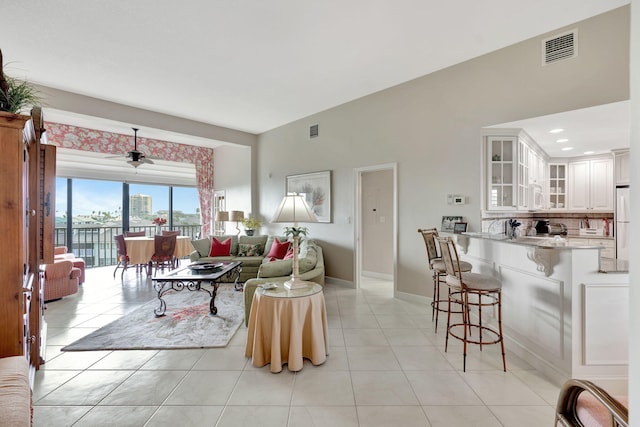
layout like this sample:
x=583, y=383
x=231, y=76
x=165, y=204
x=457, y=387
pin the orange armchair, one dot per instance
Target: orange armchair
x=60, y=280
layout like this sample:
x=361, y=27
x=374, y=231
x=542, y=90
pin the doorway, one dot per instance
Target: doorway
x=376, y=226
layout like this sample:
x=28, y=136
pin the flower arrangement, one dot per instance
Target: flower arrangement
x=251, y=223
x=159, y=221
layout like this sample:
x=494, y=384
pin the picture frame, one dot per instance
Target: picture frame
x=316, y=188
x=448, y=223
x=459, y=227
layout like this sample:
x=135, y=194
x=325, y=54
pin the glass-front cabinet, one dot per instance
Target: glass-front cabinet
x=501, y=189
x=515, y=171
x=558, y=186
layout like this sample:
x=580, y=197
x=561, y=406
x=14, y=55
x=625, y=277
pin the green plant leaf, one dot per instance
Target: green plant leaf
x=20, y=96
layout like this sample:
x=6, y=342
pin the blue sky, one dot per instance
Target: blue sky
x=89, y=196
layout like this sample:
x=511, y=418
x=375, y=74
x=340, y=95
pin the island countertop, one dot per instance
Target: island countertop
x=541, y=241
x=607, y=265
x=563, y=312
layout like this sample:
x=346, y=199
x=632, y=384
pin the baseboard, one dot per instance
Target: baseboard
x=339, y=282
x=377, y=275
x=413, y=298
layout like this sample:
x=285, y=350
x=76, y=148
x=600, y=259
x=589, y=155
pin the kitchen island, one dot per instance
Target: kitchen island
x=562, y=312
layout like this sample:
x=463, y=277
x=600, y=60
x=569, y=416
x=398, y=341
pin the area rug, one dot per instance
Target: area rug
x=187, y=324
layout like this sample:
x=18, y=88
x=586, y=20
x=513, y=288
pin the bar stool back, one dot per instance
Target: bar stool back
x=430, y=236
x=484, y=290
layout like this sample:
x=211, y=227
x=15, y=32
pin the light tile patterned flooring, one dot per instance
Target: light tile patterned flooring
x=386, y=367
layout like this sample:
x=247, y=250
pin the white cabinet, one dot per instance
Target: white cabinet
x=557, y=185
x=501, y=172
x=622, y=167
x=607, y=245
x=514, y=170
x=591, y=185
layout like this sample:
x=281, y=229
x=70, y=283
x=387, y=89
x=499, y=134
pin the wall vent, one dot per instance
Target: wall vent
x=560, y=47
x=313, y=131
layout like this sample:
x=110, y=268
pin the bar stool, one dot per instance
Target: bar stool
x=430, y=236
x=484, y=290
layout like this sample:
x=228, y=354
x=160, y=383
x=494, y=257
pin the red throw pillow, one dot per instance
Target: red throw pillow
x=220, y=248
x=278, y=250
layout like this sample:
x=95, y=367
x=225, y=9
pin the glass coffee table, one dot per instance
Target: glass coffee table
x=192, y=278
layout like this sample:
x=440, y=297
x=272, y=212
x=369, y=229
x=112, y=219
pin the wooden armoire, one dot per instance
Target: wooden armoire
x=27, y=220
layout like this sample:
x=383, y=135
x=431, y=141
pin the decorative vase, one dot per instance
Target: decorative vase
x=249, y=231
x=158, y=230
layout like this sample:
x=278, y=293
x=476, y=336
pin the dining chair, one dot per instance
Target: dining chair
x=123, y=258
x=135, y=233
x=163, y=254
x=176, y=260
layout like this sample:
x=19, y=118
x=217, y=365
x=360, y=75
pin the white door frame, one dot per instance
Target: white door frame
x=357, y=226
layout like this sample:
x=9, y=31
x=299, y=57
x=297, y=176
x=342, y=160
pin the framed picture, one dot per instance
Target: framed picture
x=459, y=227
x=316, y=188
x=448, y=222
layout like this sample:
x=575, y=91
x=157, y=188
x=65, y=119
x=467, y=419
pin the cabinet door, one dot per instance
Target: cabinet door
x=524, y=162
x=601, y=184
x=578, y=185
x=623, y=174
x=557, y=186
x=500, y=173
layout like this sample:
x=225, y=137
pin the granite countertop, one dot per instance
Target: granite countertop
x=610, y=265
x=539, y=241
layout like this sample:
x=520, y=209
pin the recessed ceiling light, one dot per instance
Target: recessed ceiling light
x=556, y=130
x=567, y=148
x=589, y=152
x=561, y=140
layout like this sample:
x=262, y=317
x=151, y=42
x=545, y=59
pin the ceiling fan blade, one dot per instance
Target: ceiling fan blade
x=146, y=160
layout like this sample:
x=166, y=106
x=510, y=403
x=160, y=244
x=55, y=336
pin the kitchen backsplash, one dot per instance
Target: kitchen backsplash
x=495, y=221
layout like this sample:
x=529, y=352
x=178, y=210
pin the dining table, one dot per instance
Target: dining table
x=141, y=249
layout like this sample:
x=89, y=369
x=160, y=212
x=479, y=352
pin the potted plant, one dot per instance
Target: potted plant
x=16, y=95
x=251, y=224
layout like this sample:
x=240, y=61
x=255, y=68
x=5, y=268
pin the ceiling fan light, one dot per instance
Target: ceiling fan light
x=134, y=163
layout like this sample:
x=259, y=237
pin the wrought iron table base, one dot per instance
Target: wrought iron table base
x=194, y=284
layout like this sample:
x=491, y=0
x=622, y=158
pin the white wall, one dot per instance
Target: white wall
x=431, y=128
x=634, y=300
x=232, y=173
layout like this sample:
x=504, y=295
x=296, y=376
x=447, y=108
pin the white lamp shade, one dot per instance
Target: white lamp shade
x=236, y=216
x=294, y=208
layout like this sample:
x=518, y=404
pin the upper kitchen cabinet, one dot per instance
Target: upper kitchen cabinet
x=557, y=186
x=591, y=184
x=501, y=173
x=622, y=167
x=515, y=169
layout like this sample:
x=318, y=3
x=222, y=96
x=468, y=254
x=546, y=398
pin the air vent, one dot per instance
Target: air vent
x=313, y=131
x=559, y=48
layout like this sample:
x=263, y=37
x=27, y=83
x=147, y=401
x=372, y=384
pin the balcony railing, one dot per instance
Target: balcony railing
x=97, y=246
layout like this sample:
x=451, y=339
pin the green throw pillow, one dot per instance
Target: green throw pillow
x=250, y=249
x=203, y=246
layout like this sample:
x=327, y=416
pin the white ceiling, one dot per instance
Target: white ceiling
x=589, y=131
x=256, y=65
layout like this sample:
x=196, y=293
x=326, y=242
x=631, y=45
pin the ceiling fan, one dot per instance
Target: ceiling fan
x=135, y=157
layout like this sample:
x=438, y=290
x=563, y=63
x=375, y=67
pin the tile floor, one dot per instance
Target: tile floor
x=385, y=367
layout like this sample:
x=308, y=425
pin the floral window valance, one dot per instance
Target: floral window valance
x=96, y=141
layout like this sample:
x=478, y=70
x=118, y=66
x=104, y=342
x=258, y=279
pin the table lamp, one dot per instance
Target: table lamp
x=222, y=216
x=237, y=216
x=294, y=208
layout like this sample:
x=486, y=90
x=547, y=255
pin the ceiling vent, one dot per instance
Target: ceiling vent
x=313, y=131
x=560, y=47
